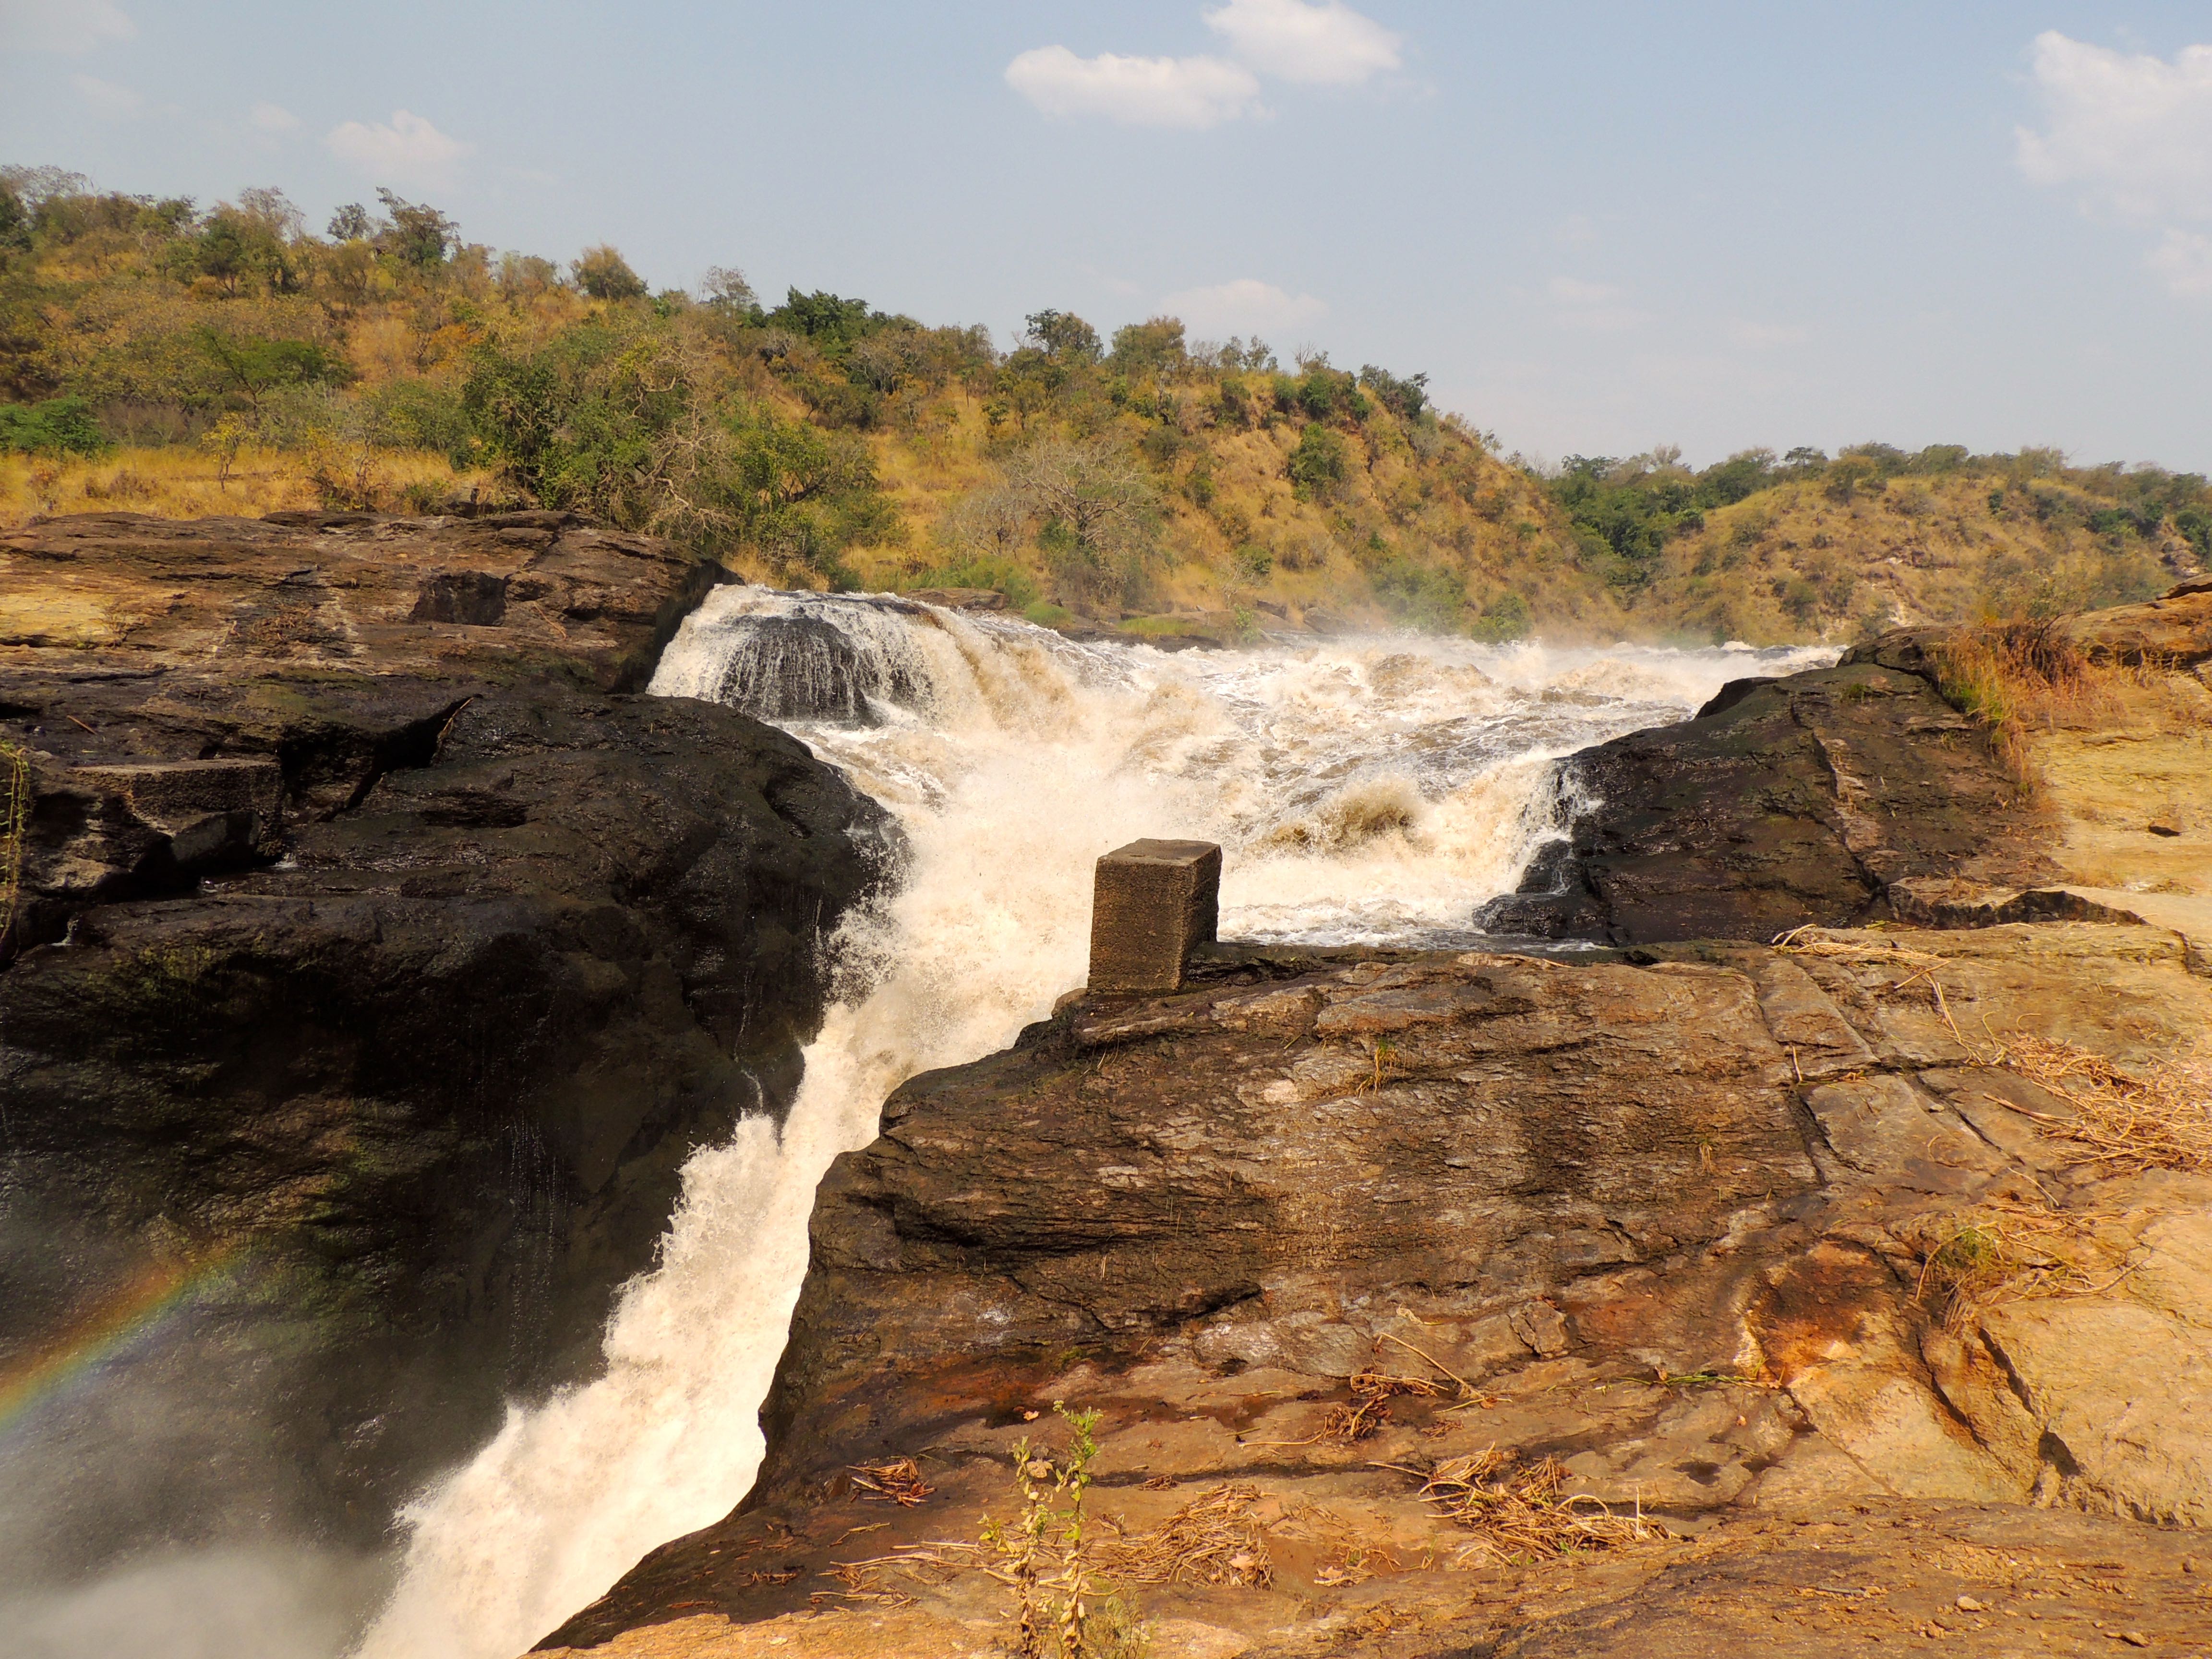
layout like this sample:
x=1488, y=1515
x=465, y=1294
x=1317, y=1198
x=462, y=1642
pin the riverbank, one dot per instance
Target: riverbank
x=1855, y=1285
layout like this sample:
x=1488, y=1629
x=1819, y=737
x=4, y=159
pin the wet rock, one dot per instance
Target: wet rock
x=1786, y=801
x=378, y=968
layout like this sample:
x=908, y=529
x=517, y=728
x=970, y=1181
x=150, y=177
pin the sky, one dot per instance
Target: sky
x=1598, y=228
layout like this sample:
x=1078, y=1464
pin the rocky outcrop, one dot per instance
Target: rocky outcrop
x=1824, y=797
x=381, y=955
x=1668, y=1224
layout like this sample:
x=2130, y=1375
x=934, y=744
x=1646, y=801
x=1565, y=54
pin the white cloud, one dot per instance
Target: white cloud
x=1599, y=307
x=69, y=26
x=1764, y=336
x=1327, y=44
x=1246, y=305
x=1571, y=290
x=273, y=118
x=106, y=98
x=405, y=150
x=1144, y=92
x=2183, y=259
x=2137, y=130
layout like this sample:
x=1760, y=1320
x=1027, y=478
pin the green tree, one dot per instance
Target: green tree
x=603, y=274
x=420, y=238
x=255, y=368
x=1421, y=595
x=1406, y=398
x=1063, y=337
x=350, y=224
x=1153, y=346
x=1504, y=619
x=1319, y=463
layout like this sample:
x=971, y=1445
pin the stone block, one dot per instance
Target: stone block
x=1154, y=902
x=209, y=809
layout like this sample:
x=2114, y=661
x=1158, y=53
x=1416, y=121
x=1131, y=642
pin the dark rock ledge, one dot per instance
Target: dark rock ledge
x=1844, y=795
x=381, y=956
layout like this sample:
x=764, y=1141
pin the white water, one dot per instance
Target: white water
x=1370, y=792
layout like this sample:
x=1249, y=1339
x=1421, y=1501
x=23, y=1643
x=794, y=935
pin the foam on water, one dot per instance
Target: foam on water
x=1363, y=791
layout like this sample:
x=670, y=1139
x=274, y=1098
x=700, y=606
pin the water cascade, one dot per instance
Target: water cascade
x=1365, y=792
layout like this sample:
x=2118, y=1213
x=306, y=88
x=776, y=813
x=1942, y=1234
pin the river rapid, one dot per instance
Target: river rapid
x=1365, y=790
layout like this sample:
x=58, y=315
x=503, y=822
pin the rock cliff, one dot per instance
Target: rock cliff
x=1826, y=797
x=378, y=957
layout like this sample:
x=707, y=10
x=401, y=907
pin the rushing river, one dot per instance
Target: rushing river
x=1371, y=790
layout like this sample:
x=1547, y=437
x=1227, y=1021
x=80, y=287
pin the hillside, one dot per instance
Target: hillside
x=159, y=358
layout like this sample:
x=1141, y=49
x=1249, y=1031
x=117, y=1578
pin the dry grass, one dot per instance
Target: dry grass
x=2014, y=677
x=1215, y=1540
x=898, y=1481
x=1998, y=1252
x=181, y=482
x=1368, y=1410
x=2122, y=1121
x=1521, y=1513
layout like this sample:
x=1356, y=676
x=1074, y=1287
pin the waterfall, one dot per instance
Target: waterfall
x=1371, y=792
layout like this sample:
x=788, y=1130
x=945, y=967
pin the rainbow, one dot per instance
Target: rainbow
x=119, y=1319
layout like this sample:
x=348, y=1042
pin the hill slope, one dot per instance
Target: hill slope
x=158, y=357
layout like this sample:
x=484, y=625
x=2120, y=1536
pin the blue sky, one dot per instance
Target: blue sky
x=1597, y=227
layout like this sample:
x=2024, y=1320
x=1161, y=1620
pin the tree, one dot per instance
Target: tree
x=603, y=274
x=1406, y=398
x=724, y=289
x=1062, y=336
x=418, y=236
x=831, y=322
x=1152, y=347
x=255, y=368
x=524, y=275
x=351, y=223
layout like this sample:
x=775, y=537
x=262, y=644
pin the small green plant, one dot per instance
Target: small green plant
x=1045, y=1549
x=14, y=823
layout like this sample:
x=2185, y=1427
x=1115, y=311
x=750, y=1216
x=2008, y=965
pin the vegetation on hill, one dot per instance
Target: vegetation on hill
x=162, y=357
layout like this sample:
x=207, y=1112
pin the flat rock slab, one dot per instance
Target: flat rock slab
x=1597, y=1213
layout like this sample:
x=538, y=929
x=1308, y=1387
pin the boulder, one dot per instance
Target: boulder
x=1785, y=802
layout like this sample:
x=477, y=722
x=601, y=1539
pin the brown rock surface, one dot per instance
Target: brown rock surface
x=1669, y=1225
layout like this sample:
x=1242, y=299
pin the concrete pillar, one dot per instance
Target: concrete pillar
x=1153, y=903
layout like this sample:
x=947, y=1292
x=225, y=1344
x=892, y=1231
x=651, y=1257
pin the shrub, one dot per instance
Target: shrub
x=2195, y=525
x=1318, y=465
x=1420, y=595
x=1253, y=561
x=60, y=426
x=1002, y=575
x=1505, y=618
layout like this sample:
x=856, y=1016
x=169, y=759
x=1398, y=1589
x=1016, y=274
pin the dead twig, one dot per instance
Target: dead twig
x=897, y=1481
x=1216, y=1540
x=1520, y=1512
